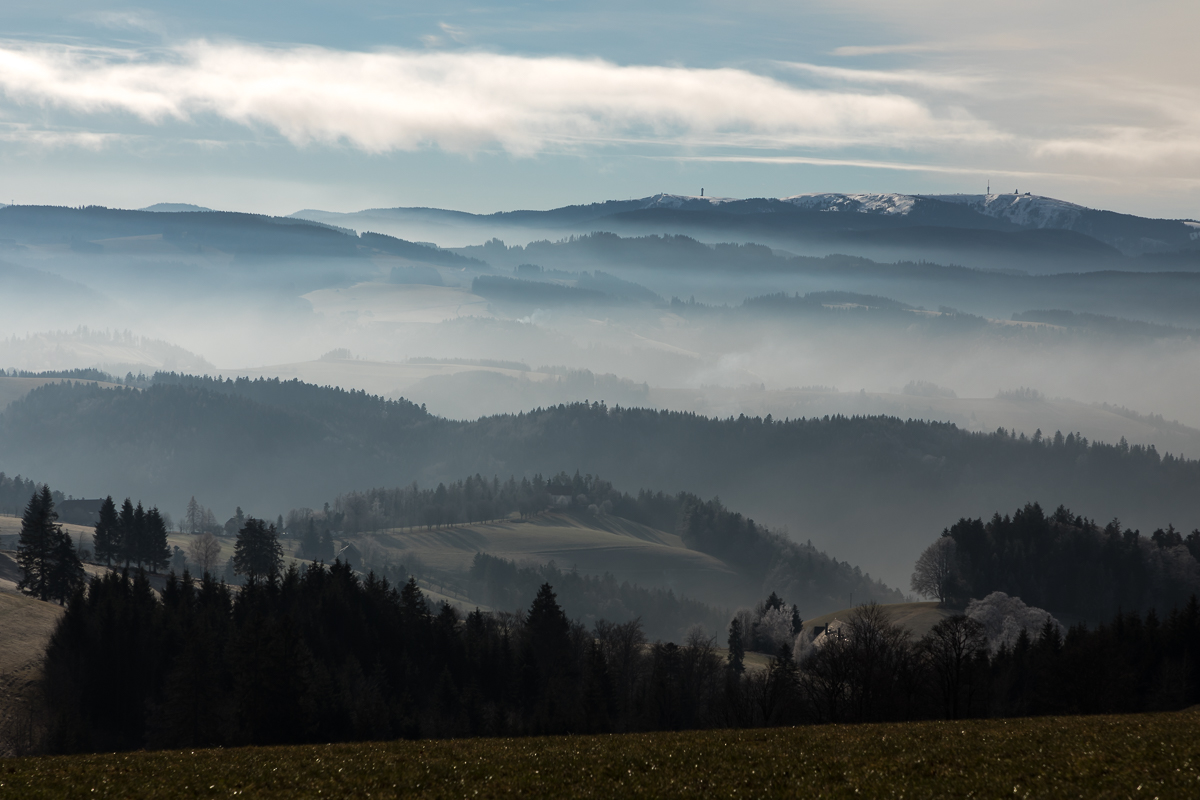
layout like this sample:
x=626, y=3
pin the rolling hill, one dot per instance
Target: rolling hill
x=874, y=488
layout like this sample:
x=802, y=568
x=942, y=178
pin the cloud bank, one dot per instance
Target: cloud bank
x=467, y=101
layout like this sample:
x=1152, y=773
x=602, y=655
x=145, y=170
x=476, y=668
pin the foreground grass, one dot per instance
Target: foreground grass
x=1146, y=755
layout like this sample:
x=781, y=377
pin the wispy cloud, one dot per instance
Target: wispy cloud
x=874, y=164
x=897, y=77
x=464, y=101
x=125, y=20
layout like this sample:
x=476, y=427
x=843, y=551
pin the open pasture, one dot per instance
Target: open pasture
x=593, y=545
x=1148, y=755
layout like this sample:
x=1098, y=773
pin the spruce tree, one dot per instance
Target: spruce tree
x=257, y=553
x=137, y=548
x=107, y=539
x=35, y=548
x=128, y=536
x=158, y=552
x=66, y=571
x=45, y=552
x=737, y=649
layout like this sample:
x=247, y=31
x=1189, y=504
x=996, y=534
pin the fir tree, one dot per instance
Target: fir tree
x=128, y=536
x=66, y=572
x=257, y=553
x=157, y=551
x=737, y=649
x=35, y=548
x=107, y=539
x=46, y=554
x=137, y=546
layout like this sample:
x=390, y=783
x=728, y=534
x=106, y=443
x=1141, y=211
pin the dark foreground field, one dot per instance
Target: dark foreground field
x=1146, y=755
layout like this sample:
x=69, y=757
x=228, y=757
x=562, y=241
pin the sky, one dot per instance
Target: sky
x=273, y=107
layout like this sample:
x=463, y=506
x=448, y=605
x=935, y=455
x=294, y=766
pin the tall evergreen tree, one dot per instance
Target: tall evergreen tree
x=137, y=546
x=128, y=534
x=66, y=571
x=737, y=648
x=35, y=548
x=257, y=553
x=107, y=539
x=157, y=551
x=45, y=552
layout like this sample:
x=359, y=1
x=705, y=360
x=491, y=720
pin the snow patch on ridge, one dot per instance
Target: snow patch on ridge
x=1025, y=210
x=681, y=200
x=889, y=204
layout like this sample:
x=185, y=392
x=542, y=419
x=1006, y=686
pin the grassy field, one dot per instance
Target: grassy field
x=25, y=628
x=1153, y=755
x=594, y=545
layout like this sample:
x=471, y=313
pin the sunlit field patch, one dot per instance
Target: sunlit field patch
x=1143, y=755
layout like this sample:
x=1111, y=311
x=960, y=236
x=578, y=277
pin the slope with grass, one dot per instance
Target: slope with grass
x=1139, y=755
x=919, y=618
x=25, y=628
x=593, y=545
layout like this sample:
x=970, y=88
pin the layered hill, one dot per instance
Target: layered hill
x=872, y=489
x=982, y=230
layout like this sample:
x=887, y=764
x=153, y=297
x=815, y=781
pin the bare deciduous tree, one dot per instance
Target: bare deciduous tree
x=954, y=651
x=937, y=573
x=204, y=552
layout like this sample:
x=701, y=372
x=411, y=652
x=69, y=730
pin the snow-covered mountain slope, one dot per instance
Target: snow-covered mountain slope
x=890, y=204
x=1026, y=210
x=677, y=201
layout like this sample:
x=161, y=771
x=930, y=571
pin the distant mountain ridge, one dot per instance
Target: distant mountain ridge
x=998, y=223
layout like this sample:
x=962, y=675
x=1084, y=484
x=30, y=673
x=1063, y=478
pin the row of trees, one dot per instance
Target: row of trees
x=320, y=655
x=15, y=492
x=132, y=535
x=1062, y=562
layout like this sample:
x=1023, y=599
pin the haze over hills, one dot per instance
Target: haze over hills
x=977, y=230
x=719, y=322
x=869, y=487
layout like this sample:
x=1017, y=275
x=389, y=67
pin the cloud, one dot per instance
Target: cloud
x=899, y=166
x=899, y=77
x=125, y=20
x=465, y=101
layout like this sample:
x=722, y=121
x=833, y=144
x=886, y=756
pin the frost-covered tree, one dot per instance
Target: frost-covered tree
x=1004, y=618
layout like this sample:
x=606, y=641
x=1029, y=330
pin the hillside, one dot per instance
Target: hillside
x=594, y=546
x=25, y=628
x=919, y=618
x=874, y=487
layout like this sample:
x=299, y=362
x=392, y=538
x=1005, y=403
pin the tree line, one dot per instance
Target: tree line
x=1063, y=562
x=320, y=655
x=133, y=535
x=770, y=559
x=16, y=491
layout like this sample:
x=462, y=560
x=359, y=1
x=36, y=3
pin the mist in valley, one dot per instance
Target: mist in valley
x=471, y=327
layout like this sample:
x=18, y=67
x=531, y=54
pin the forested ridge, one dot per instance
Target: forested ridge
x=1071, y=565
x=769, y=561
x=292, y=444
